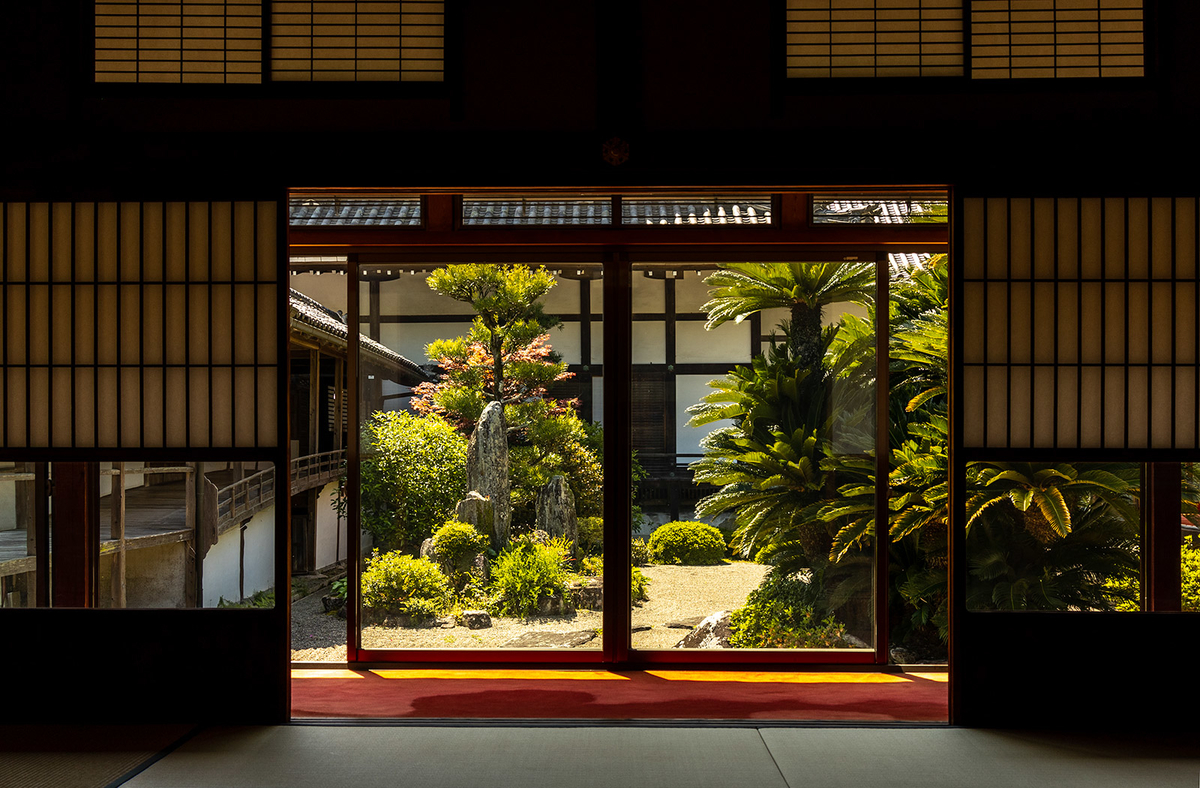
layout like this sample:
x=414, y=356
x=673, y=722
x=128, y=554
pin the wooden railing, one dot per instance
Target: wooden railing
x=317, y=470
x=243, y=499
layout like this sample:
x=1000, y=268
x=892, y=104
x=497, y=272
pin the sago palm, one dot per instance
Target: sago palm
x=743, y=289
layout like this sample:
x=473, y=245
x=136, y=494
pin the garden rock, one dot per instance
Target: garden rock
x=475, y=619
x=713, y=632
x=684, y=623
x=552, y=639
x=427, y=549
x=479, y=512
x=588, y=594
x=553, y=605
x=556, y=511
x=335, y=605
x=487, y=469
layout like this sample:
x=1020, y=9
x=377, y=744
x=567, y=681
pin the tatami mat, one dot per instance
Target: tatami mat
x=300, y=756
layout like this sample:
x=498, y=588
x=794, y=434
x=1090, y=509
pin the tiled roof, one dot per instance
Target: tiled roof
x=354, y=211
x=484, y=212
x=875, y=211
x=697, y=211
x=311, y=316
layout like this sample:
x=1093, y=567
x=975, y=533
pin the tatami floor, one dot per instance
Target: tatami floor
x=560, y=755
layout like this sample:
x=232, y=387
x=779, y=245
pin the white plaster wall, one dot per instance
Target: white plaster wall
x=327, y=289
x=565, y=340
x=221, y=569
x=410, y=295
x=690, y=291
x=260, y=552
x=410, y=339
x=330, y=548
x=649, y=295
x=563, y=298
x=649, y=342
x=221, y=563
x=689, y=389
x=598, y=399
x=597, y=296
x=694, y=345
x=597, y=342
x=132, y=479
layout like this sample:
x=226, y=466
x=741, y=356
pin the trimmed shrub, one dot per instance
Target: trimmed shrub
x=400, y=584
x=591, y=535
x=1190, y=567
x=639, y=553
x=413, y=475
x=456, y=544
x=779, y=614
x=684, y=542
x=526, y=571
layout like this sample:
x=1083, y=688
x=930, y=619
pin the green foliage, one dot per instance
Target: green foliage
x=526, y=571
x=684, y=542
x=400, y=584
x=780, y=614
x=639, y=552
x=259, y=599
x=456, y=544
x=1016, y=562
x=639, y=587
x=591, y=535
x=337, y=589
x=1190, y=568
x=413, y=475
x=639, y=584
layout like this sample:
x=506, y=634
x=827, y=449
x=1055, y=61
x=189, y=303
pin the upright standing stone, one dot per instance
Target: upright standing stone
x=487, y=468
x=479, y=512
x=556, y=511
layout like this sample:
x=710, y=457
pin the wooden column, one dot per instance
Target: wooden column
x=25, y=508
x=75, y=536
x=314, y=399
x=117, y=506
x=1163, y=586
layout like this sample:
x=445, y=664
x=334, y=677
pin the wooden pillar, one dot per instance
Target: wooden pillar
x=339, y=386
x=26, y=509
x=117, y=507
x=75, y=536
x=1163, y=490
x=670, y=444
x=314, y=399
x=192, y=502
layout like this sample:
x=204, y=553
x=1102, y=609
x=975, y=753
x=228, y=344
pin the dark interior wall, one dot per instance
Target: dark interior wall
x=534, y=87
x=137, y=666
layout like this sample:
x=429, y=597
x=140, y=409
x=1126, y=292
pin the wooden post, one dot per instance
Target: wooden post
x=314, y=399
x=26, y=509
x=75, y=537
x=339, y=371
x=117, y=507
x=191, y=505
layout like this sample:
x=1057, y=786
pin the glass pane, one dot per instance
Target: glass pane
x=754, y=426
x=481, y=506
x=1054, y=536
x=18, y=570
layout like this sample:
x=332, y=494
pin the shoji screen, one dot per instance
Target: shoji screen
x=874, y=38
x=357, y=41
x=180, y=41
x=1056, y=38
x=139, y=325
x=1080, y=323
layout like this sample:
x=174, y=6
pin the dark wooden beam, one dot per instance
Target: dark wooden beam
x=75, y=537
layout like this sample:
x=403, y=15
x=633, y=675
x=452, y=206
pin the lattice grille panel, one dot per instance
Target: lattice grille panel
x=1081, y=326
x=138, y=325
x=183, y=41
x=348, y=41
x=874, y=38
x=1056, y=38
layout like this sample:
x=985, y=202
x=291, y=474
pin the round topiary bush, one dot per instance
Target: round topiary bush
x=400, y=584
x=456, y=544
x=684, y=542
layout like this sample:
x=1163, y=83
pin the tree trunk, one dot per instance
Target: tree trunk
x=806, y=335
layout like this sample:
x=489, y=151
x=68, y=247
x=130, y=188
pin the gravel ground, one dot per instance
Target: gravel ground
x=677, y=594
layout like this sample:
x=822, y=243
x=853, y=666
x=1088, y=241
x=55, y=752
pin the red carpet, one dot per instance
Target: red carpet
x=628, y=695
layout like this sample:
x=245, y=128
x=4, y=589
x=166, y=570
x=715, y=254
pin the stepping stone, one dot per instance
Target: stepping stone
x=643, y=628
x=552, y=639
x=684, y=623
